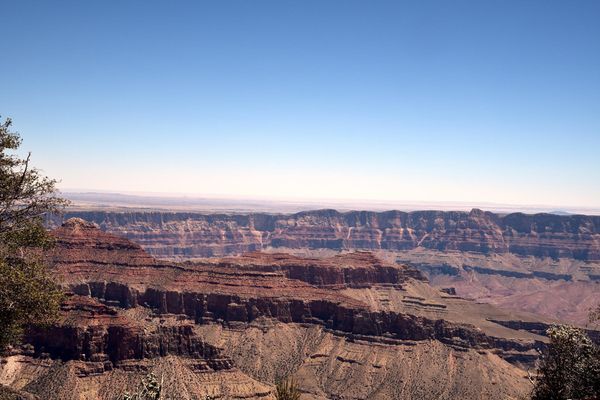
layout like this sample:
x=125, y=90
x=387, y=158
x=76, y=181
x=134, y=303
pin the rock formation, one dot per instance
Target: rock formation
x=185, y=234
x=349, y=326
x=544, y=263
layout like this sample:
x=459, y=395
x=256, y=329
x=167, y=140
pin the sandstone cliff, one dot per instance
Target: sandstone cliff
x=181, y=234
x=350, y=326
x=542, y=263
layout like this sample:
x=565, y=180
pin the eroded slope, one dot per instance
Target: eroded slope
x=350, y=326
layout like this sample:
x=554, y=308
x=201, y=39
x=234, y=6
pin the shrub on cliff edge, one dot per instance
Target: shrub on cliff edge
x=570, y=368
x=27, y=294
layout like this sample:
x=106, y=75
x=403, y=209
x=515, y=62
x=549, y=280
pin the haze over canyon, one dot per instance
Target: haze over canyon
x=300, y=200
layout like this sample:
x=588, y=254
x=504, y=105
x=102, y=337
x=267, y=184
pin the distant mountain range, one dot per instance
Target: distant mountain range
x=177, y=202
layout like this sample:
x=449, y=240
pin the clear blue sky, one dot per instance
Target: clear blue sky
x=437, y=101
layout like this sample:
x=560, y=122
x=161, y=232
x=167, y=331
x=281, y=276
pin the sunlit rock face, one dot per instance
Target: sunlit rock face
x=347, y=326
x=179, y=234
x=544, y=263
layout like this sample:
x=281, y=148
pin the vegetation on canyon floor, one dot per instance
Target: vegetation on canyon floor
x=287, y=389
x=569, y=369
x=27, y=293
x=150, y=389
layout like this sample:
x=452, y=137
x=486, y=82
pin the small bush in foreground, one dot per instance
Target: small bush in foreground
x=150, y=389
x=287, y=389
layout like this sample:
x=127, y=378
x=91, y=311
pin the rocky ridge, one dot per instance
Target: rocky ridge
x=186, y=234
x=130, y=313
x=543, y=263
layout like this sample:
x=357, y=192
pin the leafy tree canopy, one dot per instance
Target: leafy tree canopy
x=27, y=294
x=570, y=368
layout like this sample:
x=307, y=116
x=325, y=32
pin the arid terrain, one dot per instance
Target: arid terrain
x=543, y=263
x=300, y=200
x=348, y=326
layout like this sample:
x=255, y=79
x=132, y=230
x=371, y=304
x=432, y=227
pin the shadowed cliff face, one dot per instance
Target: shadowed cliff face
x=542, y=263
x=279, y=286
x=347, y=316
x=179, y=234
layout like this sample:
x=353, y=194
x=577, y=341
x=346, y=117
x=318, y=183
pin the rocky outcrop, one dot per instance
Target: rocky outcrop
x=97, y=351
x=82, y=242
x=517, y=274
x=357, y=269
x=564, y=289
x=129, y=313
x=277, y=286
x=352, y=320
x=94, y=332
x=181, y=234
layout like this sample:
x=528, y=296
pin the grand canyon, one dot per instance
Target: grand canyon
x=543, y=263
x=356, y=305
x=300, y=200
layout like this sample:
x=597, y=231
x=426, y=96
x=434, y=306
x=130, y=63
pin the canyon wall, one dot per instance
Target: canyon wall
x=189, y=235
x=327, y=292
x=347, y=326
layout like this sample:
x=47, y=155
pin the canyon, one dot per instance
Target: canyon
x=346, y=326
x=183, y=234
x=543, y=263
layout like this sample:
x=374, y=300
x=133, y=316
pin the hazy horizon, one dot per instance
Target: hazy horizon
x=109, y=200
x=471, y=102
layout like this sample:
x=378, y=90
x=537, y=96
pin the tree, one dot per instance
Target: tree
x=570, y=368
x=287, y=389
x=594, y=319
x=150, y=389
x=27, y=294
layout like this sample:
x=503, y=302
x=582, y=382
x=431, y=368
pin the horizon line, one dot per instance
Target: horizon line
x=325, y=203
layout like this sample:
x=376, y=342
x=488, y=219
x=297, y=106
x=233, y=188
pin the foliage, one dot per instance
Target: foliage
x=287, y=389
x=25, y=194
x=150, y=389
x=570, y=368
x=27, y=294
x=594, y=319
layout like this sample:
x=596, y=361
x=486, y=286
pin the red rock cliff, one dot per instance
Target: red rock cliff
x=200, y=235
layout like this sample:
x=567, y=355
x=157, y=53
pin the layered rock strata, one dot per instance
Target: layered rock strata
x=563, y=289
x=279, y=286
x=181, y=234
x=130, y=313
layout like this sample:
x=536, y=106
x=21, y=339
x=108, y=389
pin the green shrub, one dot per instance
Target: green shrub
x=570, y=367
x=287, y=389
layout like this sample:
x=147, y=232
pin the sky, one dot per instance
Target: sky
x=464, y=101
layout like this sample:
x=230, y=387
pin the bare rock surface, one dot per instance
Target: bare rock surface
x=543, y=263
x=350, y=326
x=181, y=234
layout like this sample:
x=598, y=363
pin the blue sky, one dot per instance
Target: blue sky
x=475, y=101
